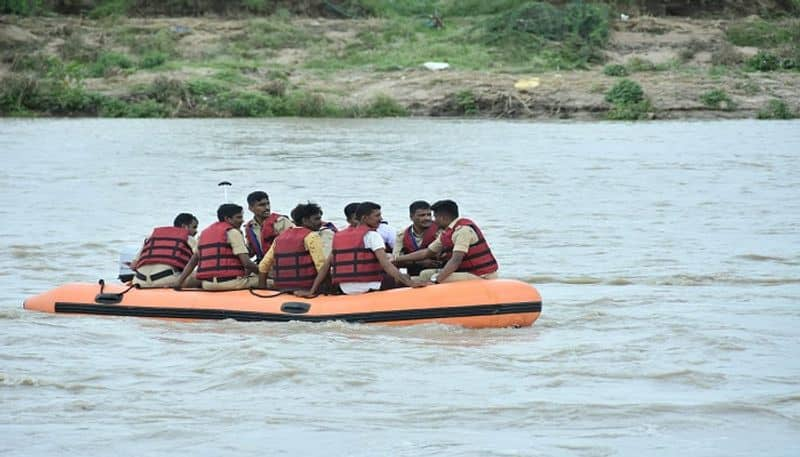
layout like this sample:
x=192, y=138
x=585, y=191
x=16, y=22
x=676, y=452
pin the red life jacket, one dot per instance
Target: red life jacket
x=166, y=245
x=258, y=245
x=428, y=237
x=294, y=266
x=217, y=259
x=479, y=259
x=352, y=262
x=410, y=245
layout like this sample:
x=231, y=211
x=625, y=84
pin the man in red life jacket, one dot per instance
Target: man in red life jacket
x=470, y=255
x=350, y=214
x=264, y=227
x=221, y=258
x=165, y=254
x=296, y=254
x=419, y=235
x=359, y=261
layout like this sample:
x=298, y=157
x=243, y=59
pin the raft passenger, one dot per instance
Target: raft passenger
x=470, y=255
x=296, y=254
x=165, y=254
x=359, y=261
x=224, y=263
x=419, y=235
x=264, y=227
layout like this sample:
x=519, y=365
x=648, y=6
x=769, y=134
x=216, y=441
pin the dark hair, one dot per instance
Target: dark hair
x=303, y=211
x=228, y=210
x=256, y=196
x=446, y=206
x=418, y=205
x=350, y=210
x=183, y=219
x=366, y=208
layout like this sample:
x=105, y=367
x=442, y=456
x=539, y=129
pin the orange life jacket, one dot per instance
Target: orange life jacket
x=259, y=244
x=217, y=259
x=294, y=266
x=166, y=245
x=410, y=245
x=479, y=259
x=352, y=261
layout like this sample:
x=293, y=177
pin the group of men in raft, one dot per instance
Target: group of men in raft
x=309, y=256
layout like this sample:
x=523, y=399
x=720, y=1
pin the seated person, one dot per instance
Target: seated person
x=419, y=235
x=261, y=230
x=165, y=254
x=359, y=261
x=296, y=254
x=463, y=241
x=224, y=263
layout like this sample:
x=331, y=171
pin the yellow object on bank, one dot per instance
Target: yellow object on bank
x=527, y=84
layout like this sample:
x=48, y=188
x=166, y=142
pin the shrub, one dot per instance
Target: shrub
x=717, y=99
x=108, y=62
x=466, y=103
x=776, y=109
x=247, y=104
x=383, y=106
x=20, y=7
x=307, y=105
x=761, y=33
x=630, y=111
x=106, y=8
x=625, y=92
x=153, y=59
x=638, y=64
x=146, y=108
x=204, y=87
x=628, y=101
x=764, y=61
x=615, y=70
x=17, y=93
x=578, y=31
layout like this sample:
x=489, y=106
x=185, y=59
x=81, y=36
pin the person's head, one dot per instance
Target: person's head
x=231, y=213
x=307, y=215
x=258, y=203
x=369, y=214
x=350, y=213
x=420, y=214
x=187, y=221
x=445, y=212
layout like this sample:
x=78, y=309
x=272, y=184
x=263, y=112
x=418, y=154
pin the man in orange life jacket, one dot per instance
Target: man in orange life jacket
x=359, y=262
x=386, y=232
x=165, y=254
x=221, y=258
x=419, y=235
x=470, y=255
x=296, y=254
x=264, y=227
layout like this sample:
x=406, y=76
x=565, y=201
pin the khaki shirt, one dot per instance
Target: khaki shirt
x=312, y=242
x=280, y=225
x=463, y=237
x=326, y=235
x=236, y=240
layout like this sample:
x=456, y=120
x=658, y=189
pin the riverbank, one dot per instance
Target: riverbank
x=287, y=65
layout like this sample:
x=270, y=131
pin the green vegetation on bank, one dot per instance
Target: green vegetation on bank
x=171, y=70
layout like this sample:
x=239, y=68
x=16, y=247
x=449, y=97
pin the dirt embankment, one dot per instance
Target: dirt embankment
x=672, y=62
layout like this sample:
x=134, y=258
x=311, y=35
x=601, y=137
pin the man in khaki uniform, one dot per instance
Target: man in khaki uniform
x=470, y=255
x=163, y=257
x=224, y=263
x=258, y=237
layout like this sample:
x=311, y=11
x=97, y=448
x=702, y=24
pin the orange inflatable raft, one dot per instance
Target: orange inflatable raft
x=473, y=304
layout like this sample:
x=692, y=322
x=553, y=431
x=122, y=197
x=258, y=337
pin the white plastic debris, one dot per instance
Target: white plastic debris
x=436, y=66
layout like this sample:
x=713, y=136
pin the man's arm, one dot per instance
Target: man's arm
x=265, y=265
x=187, y=270
x=322, y=274
x=392, y=271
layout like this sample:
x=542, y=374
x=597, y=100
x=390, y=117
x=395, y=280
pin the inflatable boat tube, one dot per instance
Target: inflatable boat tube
x=472, y=304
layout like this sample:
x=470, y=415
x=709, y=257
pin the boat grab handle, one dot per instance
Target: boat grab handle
x=295, y=307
